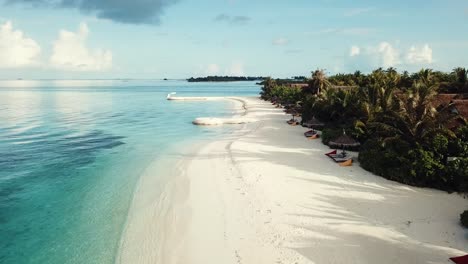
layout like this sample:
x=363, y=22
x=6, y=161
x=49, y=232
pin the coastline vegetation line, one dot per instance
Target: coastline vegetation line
x=412, y=127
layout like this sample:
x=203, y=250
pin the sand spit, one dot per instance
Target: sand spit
x=266, y=194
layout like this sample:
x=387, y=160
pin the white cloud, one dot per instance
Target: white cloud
x=387, y=55
x=236, y=69
x=419, y=56
x=71, y=53
x=355, y=50
x=280, y=42
x=17, y=50
x=382, y=55
x=212, y=69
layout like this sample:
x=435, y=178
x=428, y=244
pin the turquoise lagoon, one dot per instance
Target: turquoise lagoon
x=71, y=153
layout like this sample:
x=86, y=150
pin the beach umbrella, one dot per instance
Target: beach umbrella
x=314, y=123
x=344, y=141
x=294, y=114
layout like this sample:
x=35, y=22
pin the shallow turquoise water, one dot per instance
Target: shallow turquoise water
x=72, y=151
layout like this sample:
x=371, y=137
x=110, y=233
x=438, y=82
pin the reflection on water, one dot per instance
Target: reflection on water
x=72, y=151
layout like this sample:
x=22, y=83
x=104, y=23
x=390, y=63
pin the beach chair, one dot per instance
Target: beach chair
x=310, y=133
x=292, y=122
x=460, y=260
x=341, y=155
x=339, y=159
x=347, y=163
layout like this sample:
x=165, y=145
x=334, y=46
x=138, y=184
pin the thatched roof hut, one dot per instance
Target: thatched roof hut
x=344, y=141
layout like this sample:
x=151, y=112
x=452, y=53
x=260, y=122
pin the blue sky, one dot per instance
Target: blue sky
x=183, y=38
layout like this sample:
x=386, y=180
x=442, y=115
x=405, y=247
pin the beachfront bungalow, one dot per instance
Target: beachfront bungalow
x=459, y=106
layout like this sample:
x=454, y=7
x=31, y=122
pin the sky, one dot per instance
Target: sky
x=99, y=39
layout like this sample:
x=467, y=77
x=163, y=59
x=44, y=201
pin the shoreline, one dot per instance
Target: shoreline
x=155, y=192
x=265, y=194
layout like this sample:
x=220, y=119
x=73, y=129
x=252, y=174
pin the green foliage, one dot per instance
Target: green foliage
x=457, y=173
x=286, y=94
x=425, y=168
x=404, y=138
x=386, y=159
x=464, y=218
x=329, y=134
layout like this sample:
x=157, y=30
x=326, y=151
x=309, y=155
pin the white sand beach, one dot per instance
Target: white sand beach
x=268, y=195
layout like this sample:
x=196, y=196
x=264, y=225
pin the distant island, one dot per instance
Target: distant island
x=225, y=79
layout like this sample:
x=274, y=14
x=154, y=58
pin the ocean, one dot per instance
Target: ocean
x=71, y=153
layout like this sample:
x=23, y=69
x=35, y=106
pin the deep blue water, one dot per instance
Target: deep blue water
x=72, y=151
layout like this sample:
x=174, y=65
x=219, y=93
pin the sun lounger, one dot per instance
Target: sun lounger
x=346, y=163
x=292, y=122
x=338, y=160
x=338, y=156
x=310, y=133
x=334, y=154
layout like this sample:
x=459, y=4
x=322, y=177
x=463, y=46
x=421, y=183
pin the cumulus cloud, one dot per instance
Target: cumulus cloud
x=130, y=12
x=387, y=55
x=382, y=55
x=280, y=41
x=16, y=49
x=419, y=55
x=71, y=53
x=233, y=20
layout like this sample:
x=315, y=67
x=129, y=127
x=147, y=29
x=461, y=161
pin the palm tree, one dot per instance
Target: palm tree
x=416, y=118
x=378, y=97
x=426, y=76
x=461, y=79
x=319, y=82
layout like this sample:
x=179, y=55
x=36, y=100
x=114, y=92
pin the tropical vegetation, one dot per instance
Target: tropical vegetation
x=407, y=133
x=464, y=218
